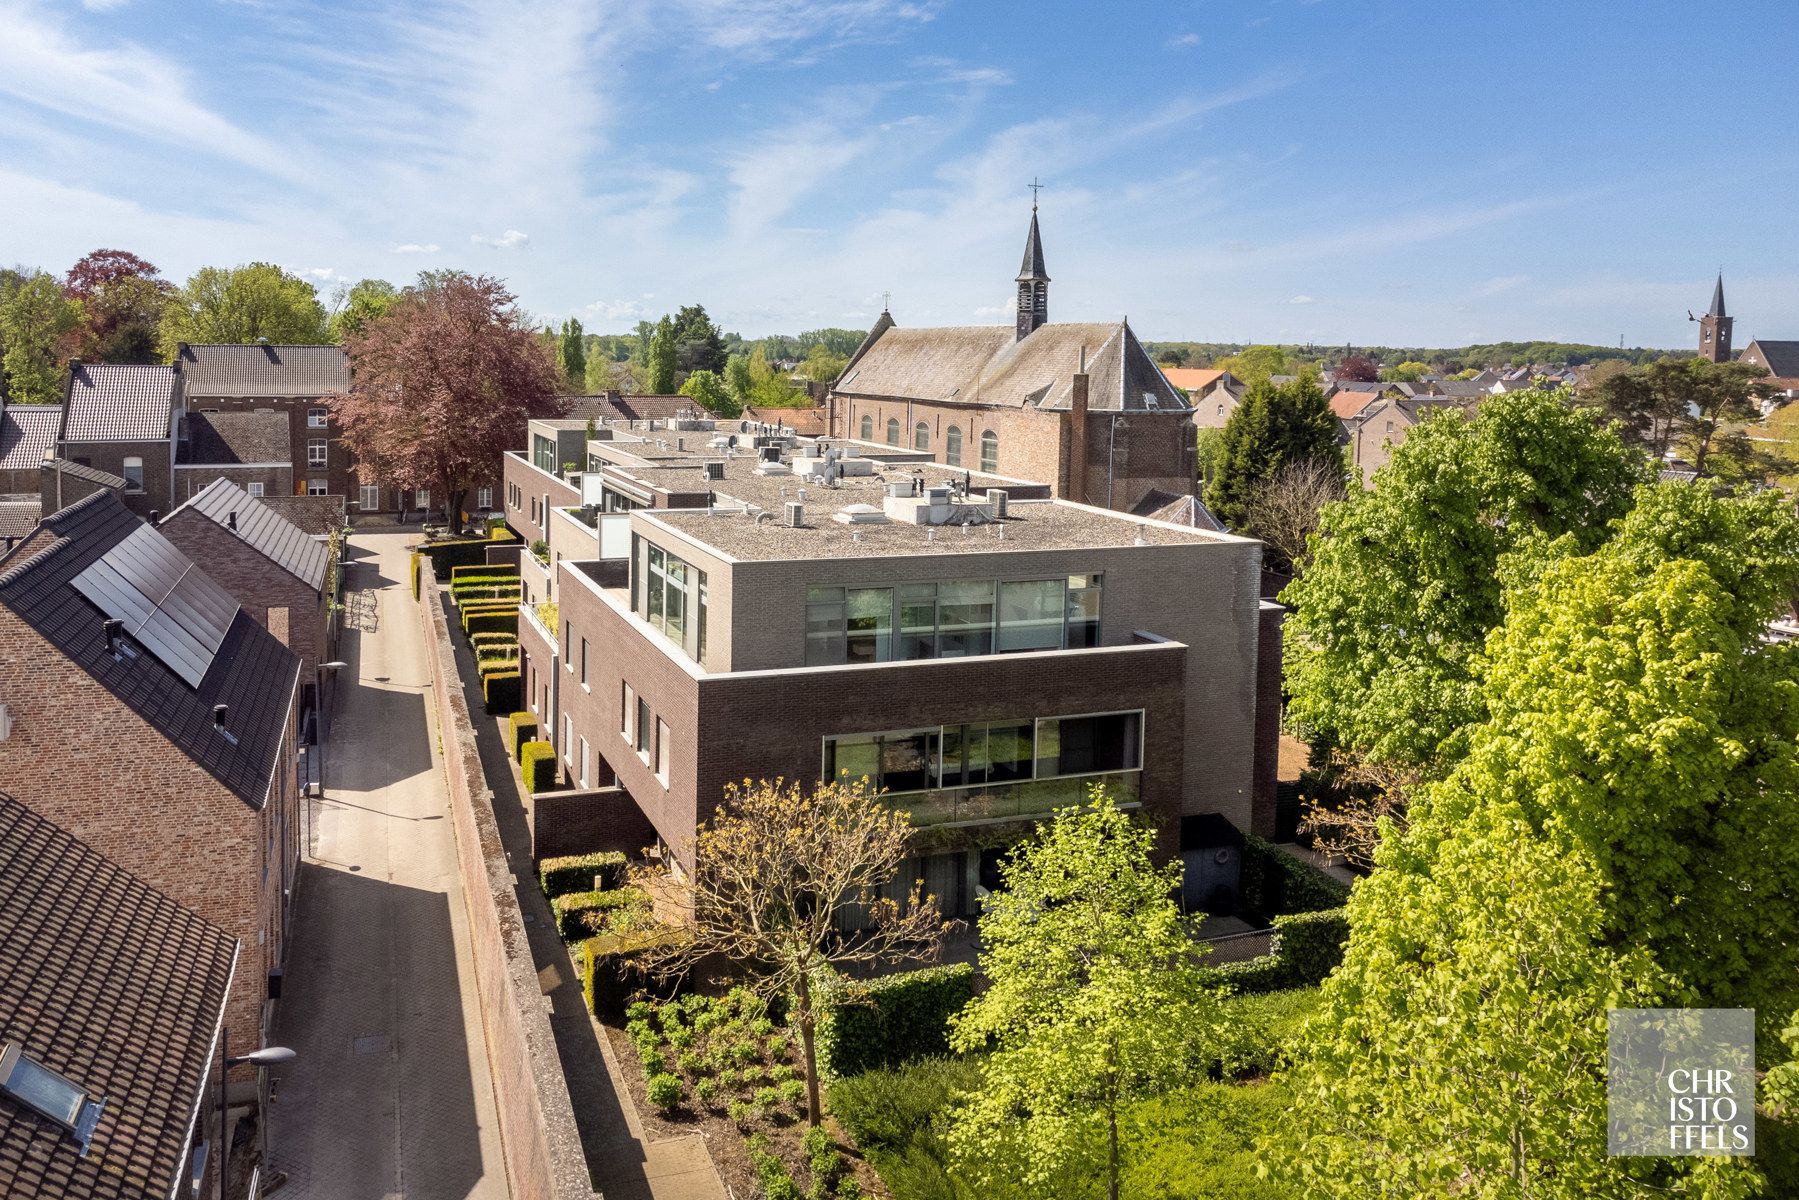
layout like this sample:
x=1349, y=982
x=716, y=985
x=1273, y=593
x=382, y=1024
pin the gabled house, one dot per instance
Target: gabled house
x=1214, y=394
x=1779, y=359
x=27, y=434
x=112, y=1001
x=122, y=420
x=153, y=718
x=1374, y=432
x=280, y=574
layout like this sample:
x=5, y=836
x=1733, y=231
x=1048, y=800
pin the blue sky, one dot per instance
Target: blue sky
x=1370, y=171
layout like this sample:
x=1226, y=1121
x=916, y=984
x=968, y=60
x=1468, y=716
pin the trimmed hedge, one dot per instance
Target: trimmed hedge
x=446, y=556
x=537, y=760
x=415, y=574
x=577, y=872
x=611, y=963
x=1274, y=881
x=491, y=622
x=521, y=727
x=502, y=691
x=571, y=908
x=1306, y=947
x=864, y=1025
x=485, y=570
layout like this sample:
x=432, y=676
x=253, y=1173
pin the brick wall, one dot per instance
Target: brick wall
x=83, y=759
x=544, y=1157
x=59, y=489
x=255, y=582
x=275, y=481
x=157, y=495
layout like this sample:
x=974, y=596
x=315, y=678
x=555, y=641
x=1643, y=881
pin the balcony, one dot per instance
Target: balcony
x=1013, y=801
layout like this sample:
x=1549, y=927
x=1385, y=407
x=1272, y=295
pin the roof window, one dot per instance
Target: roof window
x=48, y=1093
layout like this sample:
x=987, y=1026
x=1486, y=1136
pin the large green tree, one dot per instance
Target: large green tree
x=1097, y=1001
x=571, y=353
x=661, y=365
x=1276, y=424
x=1405, y=579
x=122, y=298
x=1623, y=832
x=1254, y=364
x=244, y=304
x=359, y=304
x=699, y=346
x=38, y=327
x=710, y=393
x=1687, y=406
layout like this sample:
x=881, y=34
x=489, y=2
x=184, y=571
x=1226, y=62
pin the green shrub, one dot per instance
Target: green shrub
x=775, y=1046
x=637, y=1010
x=848, y=1188
x=681, y=1035
x=883, y=1022
x=791, y=1092
x=706, y=1091
x=491, y=622
x=689, y=1062
x=521, y=727
x=654, y=1063
x=1261, y=1030
x=610, y=963
x=782, y=1072
x=571, y=908
x=740, y=1112
x=664, y=1091
x=577, y=872
x=771, y=1172
x=537, y=761
x=485, y=570
x=884, y=1109
x=501, y=691
x=1306, y=947
x=767, y=1098
x=447, y=555
x=1274, y=882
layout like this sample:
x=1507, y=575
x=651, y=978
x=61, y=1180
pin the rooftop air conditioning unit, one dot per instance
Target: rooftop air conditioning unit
x=796, y=514
x=771, y=454
x=997, y=498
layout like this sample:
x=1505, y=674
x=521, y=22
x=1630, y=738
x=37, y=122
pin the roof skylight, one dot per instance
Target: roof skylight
x=49, y=1094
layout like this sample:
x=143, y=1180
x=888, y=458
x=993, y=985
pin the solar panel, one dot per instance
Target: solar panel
x=165, y=602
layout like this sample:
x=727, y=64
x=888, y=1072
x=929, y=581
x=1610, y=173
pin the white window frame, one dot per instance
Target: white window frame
x=586, y=758
x=363, y=495
x=421, y=497
x=627, y=727
x=317, y=418
x=125, y=467
x=662, y=751
x=484, y=499
x=318, y=451
x=318, y=487
x=255, y=488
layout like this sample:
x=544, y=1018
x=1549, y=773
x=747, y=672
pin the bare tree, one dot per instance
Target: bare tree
x=773, y=868
x=1368, y=793
x=1283, y=510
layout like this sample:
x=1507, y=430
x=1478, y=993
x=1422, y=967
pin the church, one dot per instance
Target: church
x=1779, y=359
x=1078, y=406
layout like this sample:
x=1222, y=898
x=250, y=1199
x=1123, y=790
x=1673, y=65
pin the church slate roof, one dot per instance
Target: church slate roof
x=990, y=365
x=1782, y=357
x=118, y=988
x=252, y=672
x=1717, y=308
x=1033, y=270
x=261, y=371
x=111, y=402
x=27, y=432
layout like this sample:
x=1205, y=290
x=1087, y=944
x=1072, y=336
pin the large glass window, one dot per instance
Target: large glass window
x=1087, y=745
x=1031, y=613
x=1083, y=611
x=543, y=453
x=964, y=619
x=669, y=596
x=990, y=451
x=952, y=446
x=918, y=621
x=896, y=762
x=980, y=754
x=869, y=625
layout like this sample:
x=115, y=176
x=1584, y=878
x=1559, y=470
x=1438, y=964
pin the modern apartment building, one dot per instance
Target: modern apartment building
x=736, y=603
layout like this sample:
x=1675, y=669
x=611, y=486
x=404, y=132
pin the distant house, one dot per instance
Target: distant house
x=252, y=449
x=1348, y=405
x=1779, y=359
x=112, y=999
x=293, y=381
x=121, y=420
x=152, y=717
x=1214, y=394
x=27, y=434
x=1381, y=427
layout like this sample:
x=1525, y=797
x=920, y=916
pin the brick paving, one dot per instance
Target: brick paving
x=391, y=1096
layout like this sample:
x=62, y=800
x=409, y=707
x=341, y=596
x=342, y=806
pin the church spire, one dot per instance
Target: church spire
x=1715, y=326
x=1033, y=278
x=1717, y=308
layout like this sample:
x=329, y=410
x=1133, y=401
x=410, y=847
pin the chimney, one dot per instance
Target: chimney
x=219, y=712
x=155, y=516
x=1077, y=435
x=231, y=519
x=113, y=627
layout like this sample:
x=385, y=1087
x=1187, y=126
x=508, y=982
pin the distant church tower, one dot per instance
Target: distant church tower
x=1033, y=283
x=1714, y=328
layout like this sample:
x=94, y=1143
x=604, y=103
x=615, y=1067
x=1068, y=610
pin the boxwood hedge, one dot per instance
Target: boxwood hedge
x=577, y=872
x=501, y=691
x=537, y=760
x=883, y=1022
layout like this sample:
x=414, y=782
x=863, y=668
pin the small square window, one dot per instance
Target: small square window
x=256, y=488
x=318, y=487
x=316, y=418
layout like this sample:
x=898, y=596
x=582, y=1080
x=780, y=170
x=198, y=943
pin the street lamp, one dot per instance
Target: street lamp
x=268, y=1056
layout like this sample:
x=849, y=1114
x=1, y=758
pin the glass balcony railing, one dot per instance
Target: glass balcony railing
x=1010, y=801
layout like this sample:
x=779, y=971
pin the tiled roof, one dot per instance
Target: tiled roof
x=111, y=402
x=83, y=471
x=252, y=673
x=1191, y=511
x=18, y=515
x=120, y=989
x=316, y=516
x=267, y=532
x=1782, y=357
x=989, y=364
x=1193, y=379
x=27, y=431
x=633, y=408
x=231, y=438
x=1348, y=405
x=258, y=371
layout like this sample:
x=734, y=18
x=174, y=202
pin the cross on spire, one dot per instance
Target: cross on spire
x=886, y=301
x=1035, y=188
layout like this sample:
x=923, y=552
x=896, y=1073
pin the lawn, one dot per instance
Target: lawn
x=1197, y=1142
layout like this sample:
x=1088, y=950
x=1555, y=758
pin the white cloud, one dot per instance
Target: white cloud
x=614, y=310
x=322, y=274
x=1183, y=41
x=101, y=6
x=1302, y=298
x=764, y=28
x=510, y=240
x=417, y=248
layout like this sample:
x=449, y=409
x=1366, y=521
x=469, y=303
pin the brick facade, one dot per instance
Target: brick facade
x=89, y=763
x=275, y=481
x=159, y=485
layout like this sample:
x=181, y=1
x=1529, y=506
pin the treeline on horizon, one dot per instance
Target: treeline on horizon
x=1447, y=359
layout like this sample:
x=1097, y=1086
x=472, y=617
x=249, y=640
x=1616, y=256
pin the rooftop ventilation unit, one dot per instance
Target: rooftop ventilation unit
x=796, y=515
x=860, y=514
x=998, y=498
x=770, y=453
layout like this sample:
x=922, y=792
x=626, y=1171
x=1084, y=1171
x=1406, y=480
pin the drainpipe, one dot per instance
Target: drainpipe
x=1111, y=460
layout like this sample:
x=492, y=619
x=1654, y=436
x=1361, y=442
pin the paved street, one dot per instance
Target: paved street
x=390, y=1096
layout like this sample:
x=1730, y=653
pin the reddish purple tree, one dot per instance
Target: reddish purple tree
x=442, y=384
x=122, y=298
x=1358, y=368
